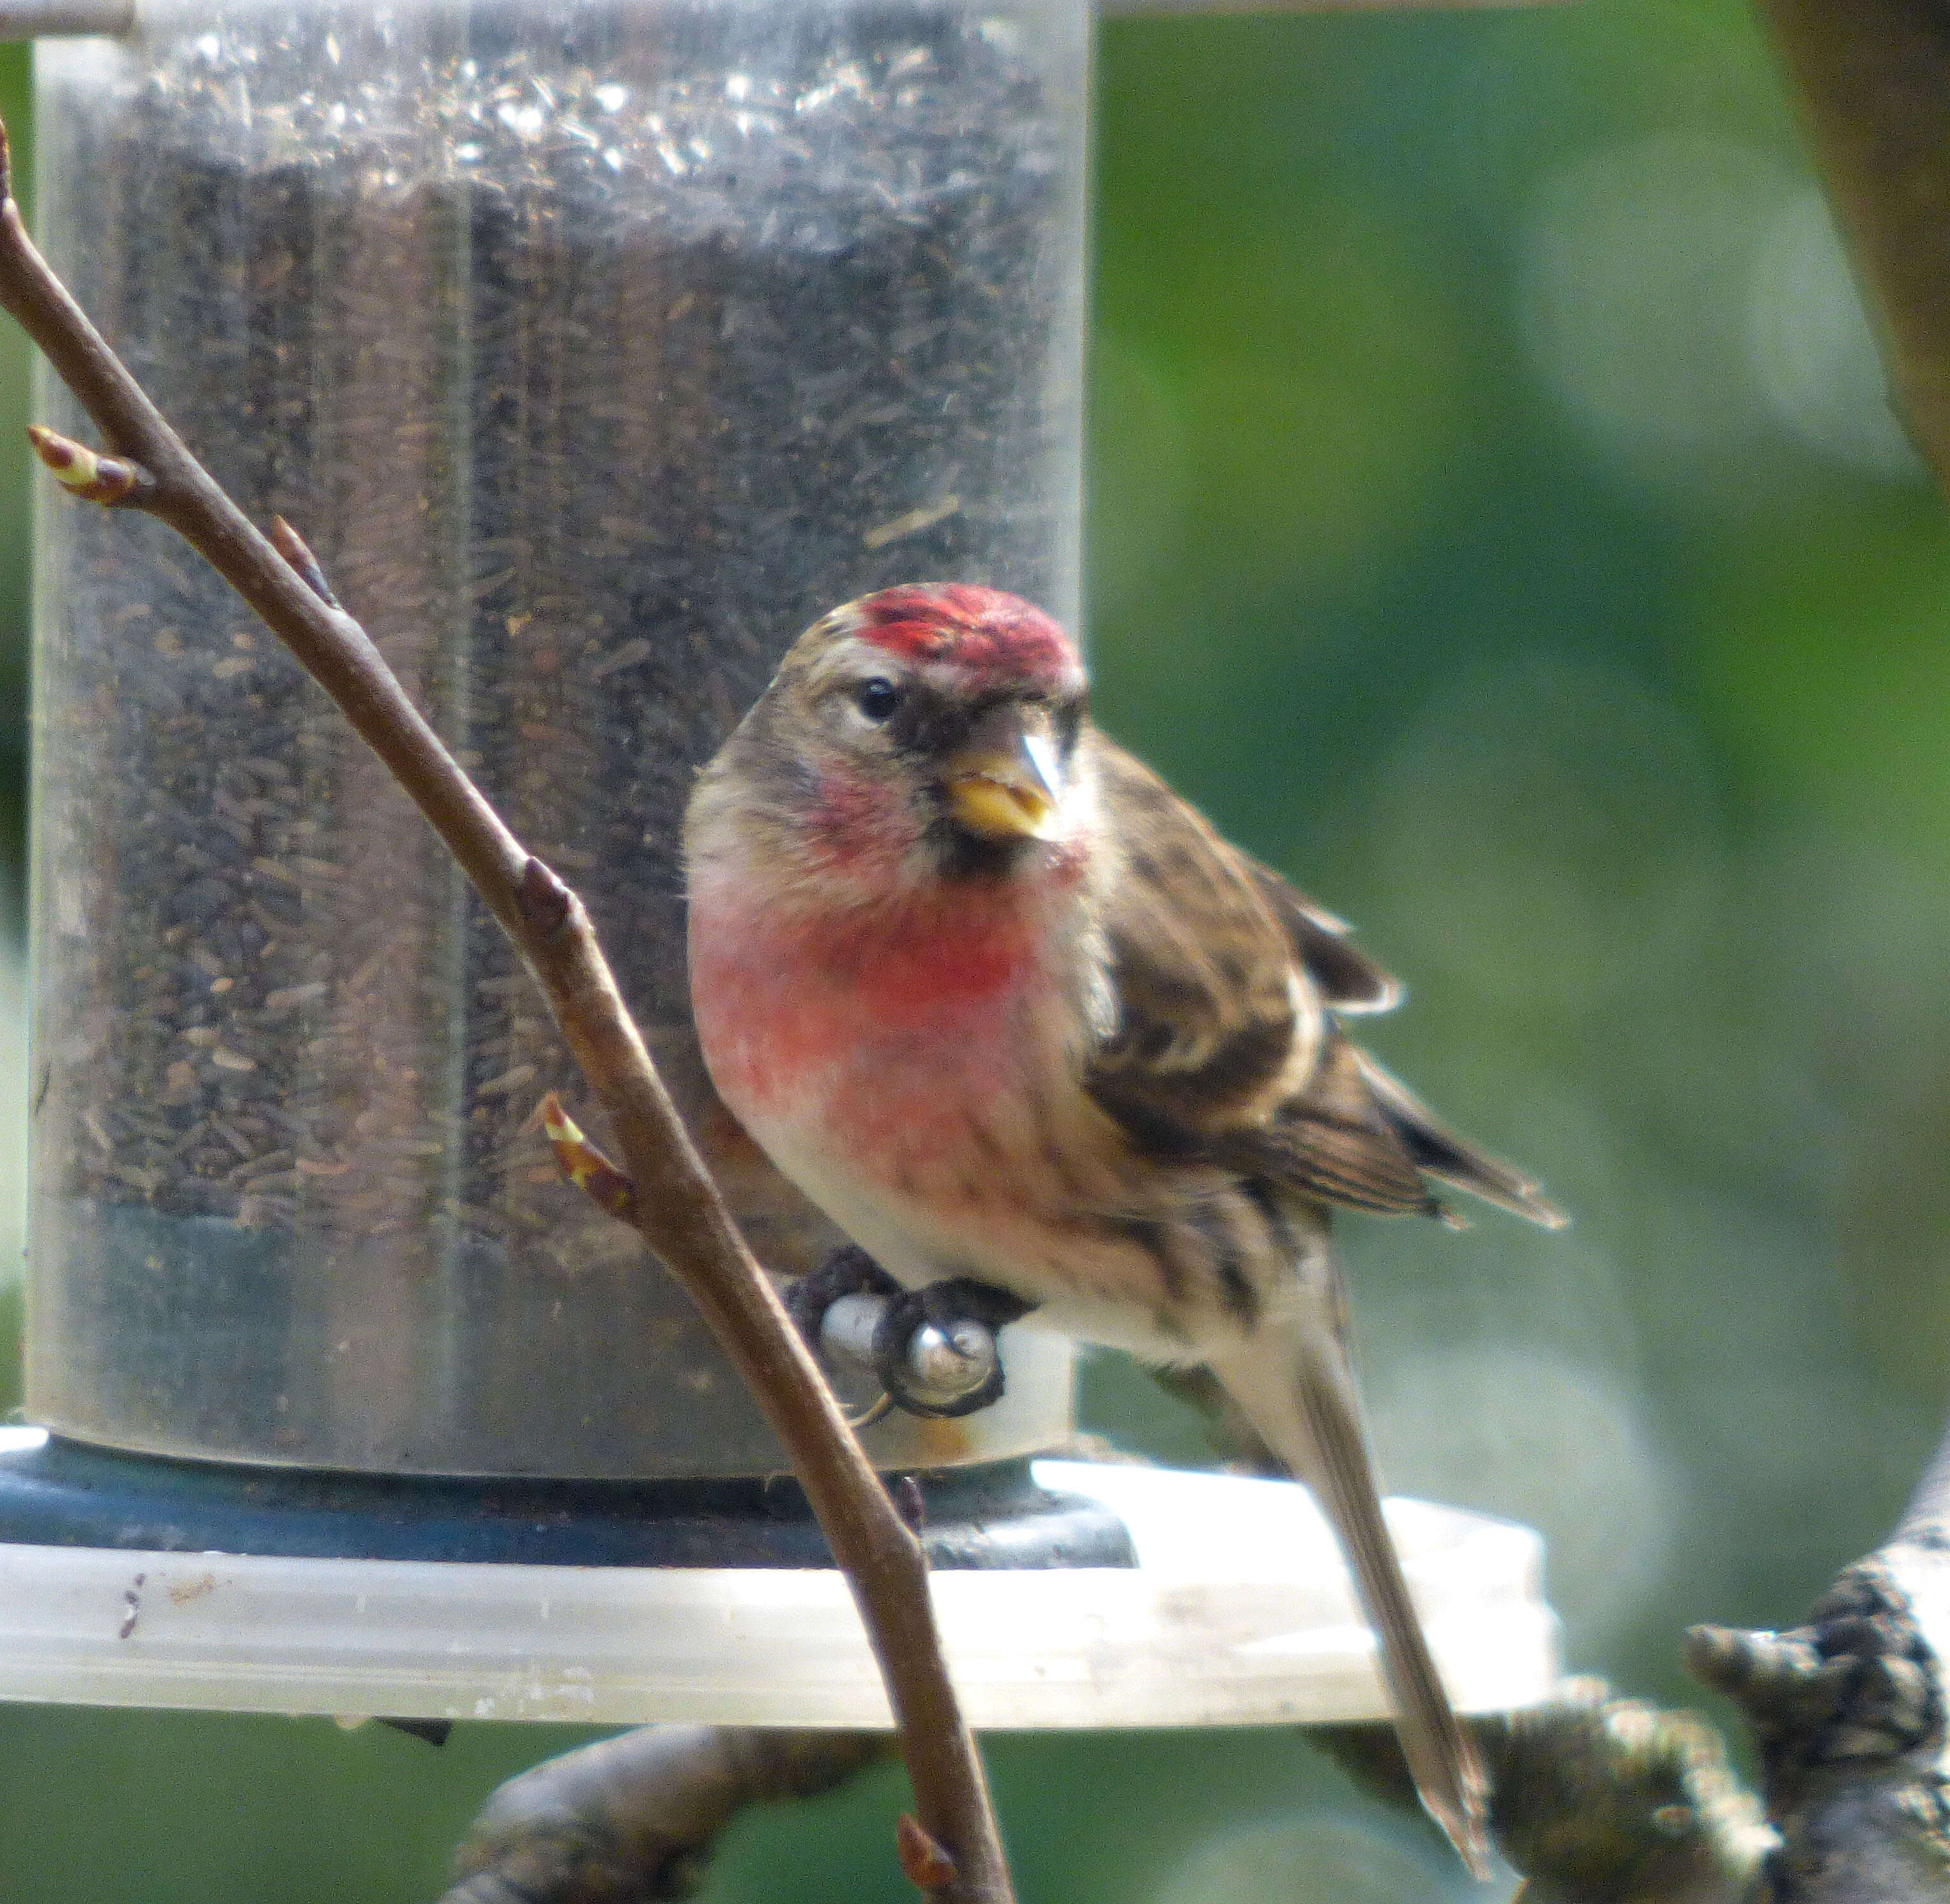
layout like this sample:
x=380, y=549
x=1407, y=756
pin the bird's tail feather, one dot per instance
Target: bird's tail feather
x=1438, y=1152
x=1306, y=1407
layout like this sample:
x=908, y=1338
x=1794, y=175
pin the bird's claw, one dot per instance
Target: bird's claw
x=874, y=1413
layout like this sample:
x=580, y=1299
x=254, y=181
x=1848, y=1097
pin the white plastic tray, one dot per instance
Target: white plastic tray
x=1239, y=1613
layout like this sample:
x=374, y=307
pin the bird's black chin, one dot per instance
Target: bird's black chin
x=977, y=857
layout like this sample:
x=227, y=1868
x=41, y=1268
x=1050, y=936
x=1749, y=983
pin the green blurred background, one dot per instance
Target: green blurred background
x=1497, y=523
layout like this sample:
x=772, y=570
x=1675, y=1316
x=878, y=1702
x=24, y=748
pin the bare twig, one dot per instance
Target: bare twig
x=637, y=1816
x=678, y=1211
x=1873, y=81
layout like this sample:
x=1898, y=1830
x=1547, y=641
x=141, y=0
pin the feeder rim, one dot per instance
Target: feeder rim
x=114, y=19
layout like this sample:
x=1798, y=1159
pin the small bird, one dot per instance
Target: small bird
x=1010, y=1011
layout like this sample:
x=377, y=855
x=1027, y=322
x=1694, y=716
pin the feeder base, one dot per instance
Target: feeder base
x=1239, y=1612
x=59, y=1493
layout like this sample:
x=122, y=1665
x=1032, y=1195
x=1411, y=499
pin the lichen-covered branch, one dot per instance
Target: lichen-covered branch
x=678, y=1210
x=636, y=1817
x=1598, y=1800
x=1849, y=1711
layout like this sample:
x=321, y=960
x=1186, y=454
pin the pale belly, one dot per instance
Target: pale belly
x=1080, y=1282
x=952, y=1143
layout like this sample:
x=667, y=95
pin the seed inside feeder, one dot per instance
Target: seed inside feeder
x=591, y=377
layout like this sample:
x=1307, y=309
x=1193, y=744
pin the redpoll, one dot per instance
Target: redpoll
x=1009, y=1011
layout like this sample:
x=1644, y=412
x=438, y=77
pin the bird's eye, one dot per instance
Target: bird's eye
x=877, y=699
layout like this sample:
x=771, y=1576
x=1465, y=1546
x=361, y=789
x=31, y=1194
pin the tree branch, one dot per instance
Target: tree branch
x=638, y=1816
x=1849, y=1711
x=1595, y=1800
x=1849, y=1708
x=1873, y=79
x=679, y=1212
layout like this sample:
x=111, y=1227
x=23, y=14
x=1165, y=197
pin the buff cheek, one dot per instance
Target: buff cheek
x=859, y=825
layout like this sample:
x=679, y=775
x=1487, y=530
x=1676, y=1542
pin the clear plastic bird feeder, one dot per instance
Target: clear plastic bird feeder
x=595, y=346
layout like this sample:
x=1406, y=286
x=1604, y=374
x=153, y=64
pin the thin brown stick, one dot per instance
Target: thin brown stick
x=1872, y=78
x=679, y=1212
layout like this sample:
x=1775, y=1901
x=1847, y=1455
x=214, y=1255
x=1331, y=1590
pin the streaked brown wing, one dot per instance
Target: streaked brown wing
x=1222, y=1046
x=1222, y=1049
x=1206, y=1016
x=1332, y=1140
x=1438, y=1152
x=1349, y=979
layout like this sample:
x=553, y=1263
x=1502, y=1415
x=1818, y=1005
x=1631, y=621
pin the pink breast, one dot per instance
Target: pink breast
x=877, y=1033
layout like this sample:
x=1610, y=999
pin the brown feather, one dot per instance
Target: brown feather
x=1331, y=1140
x=1438, y=1152
x=1301, y=1400
x=1349, y=979
x=1200, y=966
x=1226, y=980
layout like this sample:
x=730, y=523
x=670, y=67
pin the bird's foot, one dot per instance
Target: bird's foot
x=848, y=1271
x=933, y=1350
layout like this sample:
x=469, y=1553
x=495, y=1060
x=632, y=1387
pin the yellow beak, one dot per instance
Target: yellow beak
x=1008, y=791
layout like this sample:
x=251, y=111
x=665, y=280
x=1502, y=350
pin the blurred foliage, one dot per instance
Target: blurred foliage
x=1497, y=523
